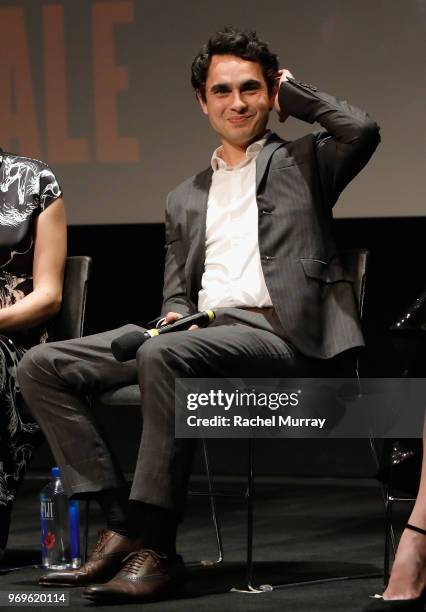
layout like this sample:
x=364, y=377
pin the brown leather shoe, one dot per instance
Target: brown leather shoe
x=146, y=576
x=101, y=566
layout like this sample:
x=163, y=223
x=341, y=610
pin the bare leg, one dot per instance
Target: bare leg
x=408, y=577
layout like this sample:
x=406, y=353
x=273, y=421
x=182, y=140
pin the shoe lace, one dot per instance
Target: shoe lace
x=102, y=537
x=135, y=560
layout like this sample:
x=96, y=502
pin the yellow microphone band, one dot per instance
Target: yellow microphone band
x=153, y=332
x=211, y=315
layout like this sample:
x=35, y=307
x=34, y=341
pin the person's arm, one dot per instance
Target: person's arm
x=349, y=137
x=48, y=271
x=175, y=300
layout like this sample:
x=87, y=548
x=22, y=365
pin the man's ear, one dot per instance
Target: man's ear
x=202, y=102
x=273, y=95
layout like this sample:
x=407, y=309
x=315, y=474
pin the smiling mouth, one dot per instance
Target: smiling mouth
x=239, y=119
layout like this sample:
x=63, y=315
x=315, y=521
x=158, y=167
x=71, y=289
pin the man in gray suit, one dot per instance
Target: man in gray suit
x=249, y=237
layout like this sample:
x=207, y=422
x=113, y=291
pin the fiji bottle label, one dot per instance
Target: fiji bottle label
x=48, y=536
x=46, y=509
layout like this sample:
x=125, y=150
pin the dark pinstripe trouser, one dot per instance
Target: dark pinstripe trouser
x=57, y=378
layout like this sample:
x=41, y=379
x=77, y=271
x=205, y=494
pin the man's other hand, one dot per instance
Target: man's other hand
x=171, y=317
x=282, y=76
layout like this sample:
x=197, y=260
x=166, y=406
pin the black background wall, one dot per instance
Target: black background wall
x=126, y=287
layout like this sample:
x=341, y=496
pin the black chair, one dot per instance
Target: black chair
x=69, y=322
x=355, y=263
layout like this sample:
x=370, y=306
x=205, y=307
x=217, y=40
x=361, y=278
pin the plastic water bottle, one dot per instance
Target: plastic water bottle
x=60, y=526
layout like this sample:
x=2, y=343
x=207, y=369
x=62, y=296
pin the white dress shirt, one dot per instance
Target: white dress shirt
x=233, y=273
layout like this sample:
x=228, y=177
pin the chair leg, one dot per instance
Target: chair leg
x=250, y=508
x=390, y=542
x=213, y=509
x=250, y=588
x=374, y=452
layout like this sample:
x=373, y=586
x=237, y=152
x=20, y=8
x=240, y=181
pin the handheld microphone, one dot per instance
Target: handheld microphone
x=126, y=346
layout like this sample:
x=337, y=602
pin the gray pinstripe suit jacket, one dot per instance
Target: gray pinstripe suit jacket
x=297, y=185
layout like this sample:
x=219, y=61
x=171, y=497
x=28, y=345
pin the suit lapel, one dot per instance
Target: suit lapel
x=273, y=143
x=196, y=219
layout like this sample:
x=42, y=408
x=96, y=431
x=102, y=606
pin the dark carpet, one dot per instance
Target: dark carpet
x=305, y=529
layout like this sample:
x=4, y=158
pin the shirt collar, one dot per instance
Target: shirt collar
x=252, y=151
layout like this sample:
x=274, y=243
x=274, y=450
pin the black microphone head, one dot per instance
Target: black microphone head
x=126, y=346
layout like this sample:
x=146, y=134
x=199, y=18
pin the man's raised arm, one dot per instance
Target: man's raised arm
x=348, y=140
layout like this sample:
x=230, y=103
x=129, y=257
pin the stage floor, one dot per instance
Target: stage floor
x=305, y=529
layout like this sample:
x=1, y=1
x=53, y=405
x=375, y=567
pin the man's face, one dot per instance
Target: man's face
x=237, y=99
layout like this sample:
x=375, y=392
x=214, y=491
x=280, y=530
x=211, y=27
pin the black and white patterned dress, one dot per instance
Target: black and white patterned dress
x=27, y=187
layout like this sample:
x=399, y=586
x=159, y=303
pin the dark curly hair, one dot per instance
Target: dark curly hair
x=231, y=41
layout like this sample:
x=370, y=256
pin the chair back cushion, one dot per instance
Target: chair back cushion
x=355, y=263
x=69, y=322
